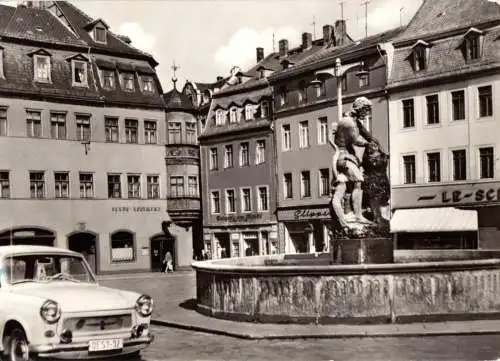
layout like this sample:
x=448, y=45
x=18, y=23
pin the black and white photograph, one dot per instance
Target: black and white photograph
x=257, y=180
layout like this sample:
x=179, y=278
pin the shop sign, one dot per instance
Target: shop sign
x=480, y=195
x=239, y=217
x=134, y=209
x=304, y=214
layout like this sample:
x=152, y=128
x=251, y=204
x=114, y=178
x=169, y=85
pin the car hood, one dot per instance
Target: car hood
x=79, y=297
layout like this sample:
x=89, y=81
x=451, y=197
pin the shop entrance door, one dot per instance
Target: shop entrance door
x=160, y=245
x=85, y=243
x=224, y=245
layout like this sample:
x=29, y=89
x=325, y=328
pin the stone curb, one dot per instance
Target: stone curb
x=390, y=332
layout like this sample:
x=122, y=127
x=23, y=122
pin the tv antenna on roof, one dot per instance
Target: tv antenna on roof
x=365, y=3
x=174, y=67
x=314, y=27
x=341, y=10
x=401, y=16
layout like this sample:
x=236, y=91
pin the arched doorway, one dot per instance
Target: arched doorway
x=34, y=236
x=85, y=243
x=160, y=244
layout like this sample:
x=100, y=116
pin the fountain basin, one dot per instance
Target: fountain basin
x=268, y=289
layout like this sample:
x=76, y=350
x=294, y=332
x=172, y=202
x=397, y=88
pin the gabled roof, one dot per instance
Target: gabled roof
x=93, y=23
x=438, y=16
x=175, y=100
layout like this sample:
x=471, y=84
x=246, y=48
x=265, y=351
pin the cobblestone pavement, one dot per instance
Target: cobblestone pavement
x=174, y=344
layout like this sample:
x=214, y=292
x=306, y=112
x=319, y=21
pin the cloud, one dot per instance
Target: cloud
x=140, y=38
x=240, y=49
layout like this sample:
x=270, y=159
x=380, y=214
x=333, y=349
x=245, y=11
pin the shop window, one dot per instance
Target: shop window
x=122, y=246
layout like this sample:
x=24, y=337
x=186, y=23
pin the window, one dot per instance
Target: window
x=111, y=129
x=434, y=166
x=458, y=103
x=128, y=81
x=246, y=200
x=42, y=68
x=304, y=134
x=58, y=125
x=213, y=159
x=108, y=78
x=228, y=156
x=37, y=185
x=260, y=151
x=114, y=186
x=86, y=185
x=363, y=80
x=191, y=137
x=264, y=110
x=263, y=199
x=408, y=113
x=3, y=122
x=302, y=92
x=122, y=247
x=230, y=204
x=147, y=84
x=249, y=111
x=288, y=185
x=244, y=156
x=215, y=202
x=174, y=133
x=321, y=89
x=322, y=130
x=4, y=185
x=131, y=130
x=420, y=57
x=282, y=96
x=134, y=186
x=83, y=132
x=79, y=72
x=485, y=101
x=153, y=185
x=324, y=182
x=305, y=184
x=100, y=34
x=33, y=124
x=150, y=132
x=287, y=137
x=61, y=180
x=177, y=187
x=459, y=165
x=233, y=115
x=432, y=109
x=220, y=117
x=193, y=190
x=409, y=169
x=472, y=45
x=486, y=162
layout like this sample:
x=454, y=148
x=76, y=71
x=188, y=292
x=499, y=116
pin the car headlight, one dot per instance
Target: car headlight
x=144, y=305
x=50, y=311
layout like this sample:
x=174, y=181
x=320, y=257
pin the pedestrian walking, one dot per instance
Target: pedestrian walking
x=164, y=263
x=169, y=261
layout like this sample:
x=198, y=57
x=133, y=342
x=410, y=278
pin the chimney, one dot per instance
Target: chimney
x=306, y=40
x=327, y=34
x=260, y=54
x=283, y=46
x=219, y=78
x=340, y=32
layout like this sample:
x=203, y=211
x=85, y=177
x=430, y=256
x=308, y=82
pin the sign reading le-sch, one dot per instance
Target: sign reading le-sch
x=479, y=195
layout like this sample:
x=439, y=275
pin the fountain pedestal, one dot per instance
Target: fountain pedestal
x=369, y=250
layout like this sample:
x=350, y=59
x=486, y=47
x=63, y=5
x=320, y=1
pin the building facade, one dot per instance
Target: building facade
x=305, y=109
x=444, y=97
x=83, y=135
x=183, y=169
x=237, y=155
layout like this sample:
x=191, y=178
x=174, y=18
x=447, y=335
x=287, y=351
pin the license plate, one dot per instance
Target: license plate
x=105, y=345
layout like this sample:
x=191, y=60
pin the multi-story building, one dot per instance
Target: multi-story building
x=445, y=126
x=82, y=124
x=305, y=108
x=183, y=169
x=237, y=165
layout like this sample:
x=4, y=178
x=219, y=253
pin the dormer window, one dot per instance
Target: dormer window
x=233, y=115
x=128, y=81
x=100, y=34
x=282, y=96
x=147, y=84
x=220, y=117
x=264, y=109
x=79, y=71
x=420, y=55
x=472, y=44
x=249, y=111
x=108, y=78
x=302, y=92
x=42, y=68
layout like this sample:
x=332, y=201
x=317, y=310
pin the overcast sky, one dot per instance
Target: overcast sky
x=206, y=38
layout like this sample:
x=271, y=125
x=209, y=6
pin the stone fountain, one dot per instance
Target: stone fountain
x=360, y=281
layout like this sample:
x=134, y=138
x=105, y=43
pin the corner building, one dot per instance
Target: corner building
x=82, y=125
x=445, y=125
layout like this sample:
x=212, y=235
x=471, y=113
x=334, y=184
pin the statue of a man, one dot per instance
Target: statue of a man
x=346, y=134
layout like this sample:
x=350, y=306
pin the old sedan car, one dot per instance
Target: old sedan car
x=52, y=307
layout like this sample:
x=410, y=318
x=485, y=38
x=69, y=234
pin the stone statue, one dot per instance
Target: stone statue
x=349, y=170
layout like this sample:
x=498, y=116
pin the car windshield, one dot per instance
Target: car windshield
x=46, y=268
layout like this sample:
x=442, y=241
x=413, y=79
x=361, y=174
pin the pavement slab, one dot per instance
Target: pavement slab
x=174, y=295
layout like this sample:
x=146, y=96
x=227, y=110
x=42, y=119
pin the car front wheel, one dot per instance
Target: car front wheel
x=16, y=346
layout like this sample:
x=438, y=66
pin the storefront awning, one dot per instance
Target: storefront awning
x=446, y=219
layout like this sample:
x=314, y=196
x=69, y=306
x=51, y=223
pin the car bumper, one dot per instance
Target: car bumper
x=79, y=350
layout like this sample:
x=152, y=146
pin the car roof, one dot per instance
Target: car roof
x=28, y=249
